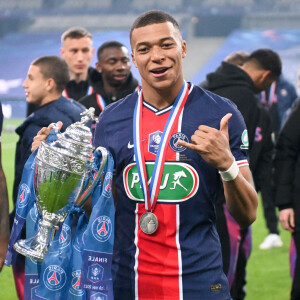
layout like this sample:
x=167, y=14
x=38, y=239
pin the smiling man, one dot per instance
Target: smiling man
x=166, y=244
x=114, y=81
x=185, y=142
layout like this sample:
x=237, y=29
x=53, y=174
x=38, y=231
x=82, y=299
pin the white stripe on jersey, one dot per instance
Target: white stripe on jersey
x=179, y=252
x=136, y=279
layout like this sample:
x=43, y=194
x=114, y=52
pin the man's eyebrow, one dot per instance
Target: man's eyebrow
x=160, y=41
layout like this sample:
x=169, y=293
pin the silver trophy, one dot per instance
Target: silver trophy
x=62, y=178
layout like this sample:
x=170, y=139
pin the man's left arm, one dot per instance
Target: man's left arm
x=213, y=146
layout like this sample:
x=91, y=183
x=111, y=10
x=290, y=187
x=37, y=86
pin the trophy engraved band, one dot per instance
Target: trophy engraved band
x=62, y=179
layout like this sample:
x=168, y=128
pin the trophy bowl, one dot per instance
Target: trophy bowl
x=62, y=179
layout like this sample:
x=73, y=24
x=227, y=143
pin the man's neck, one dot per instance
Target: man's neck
x=79, y=77
x=161, y=98
x=50, y=98
x=108, y=88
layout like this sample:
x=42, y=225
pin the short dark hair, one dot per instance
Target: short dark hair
x=54, y=67
x=268, y=60
x=75, y=33
x=109, y=44
x=153, y=17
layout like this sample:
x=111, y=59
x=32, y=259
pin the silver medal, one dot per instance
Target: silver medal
x=148, y=222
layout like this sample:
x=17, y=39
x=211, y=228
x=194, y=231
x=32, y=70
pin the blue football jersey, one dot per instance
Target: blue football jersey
x=182, y=259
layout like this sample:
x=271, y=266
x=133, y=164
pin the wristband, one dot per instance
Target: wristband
x=231, y=173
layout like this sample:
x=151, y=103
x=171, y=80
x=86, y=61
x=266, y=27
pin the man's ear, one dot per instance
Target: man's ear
x=267, y=77
x=133, y=59
x=50, y=84
x=62, y=52
x=98, y=67
x=184, y=49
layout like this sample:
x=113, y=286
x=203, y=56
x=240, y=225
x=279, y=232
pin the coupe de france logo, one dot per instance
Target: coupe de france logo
x=175, y=138
x=95, y=273
x=24, y=195
x=154, y=141
x=102, y=228
x=54, y=278
x=99, y=296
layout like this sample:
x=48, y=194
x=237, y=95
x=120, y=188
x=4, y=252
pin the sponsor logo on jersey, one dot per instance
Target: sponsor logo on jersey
x=99, y=296
x=245, y=140
x=54, y=277
x=175, y=138
x=95, y=273
x=179, y=182
x=154, y=141
x=24, y=195
x=102, y=228
x=75, y=288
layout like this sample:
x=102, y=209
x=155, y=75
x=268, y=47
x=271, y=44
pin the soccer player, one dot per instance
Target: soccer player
x=182, y=140
x=77, y=51
x=177, y=136
x=114, y=80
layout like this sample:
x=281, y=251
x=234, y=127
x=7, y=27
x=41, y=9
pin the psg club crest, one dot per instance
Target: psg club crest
x=63, y=241
x=154, y=141
x=54, y=278
x=98, y=296
x=75, y=284
x=107, y=188
x=34, y=213
x=102, y=228
x=24, y=195
x=175, y=138
x=95, y=273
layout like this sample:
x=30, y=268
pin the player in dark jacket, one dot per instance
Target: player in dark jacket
x=287, y=182
x=240, y=84
x=46, y=78
x=113, y=80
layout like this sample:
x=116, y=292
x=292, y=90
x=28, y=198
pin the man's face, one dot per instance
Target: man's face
x=264, y=84
x=114, y=64
x=157, y=52
x=78, y=54
x=35, y=85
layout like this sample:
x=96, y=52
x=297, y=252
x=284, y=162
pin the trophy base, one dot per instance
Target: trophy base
x=30, y=248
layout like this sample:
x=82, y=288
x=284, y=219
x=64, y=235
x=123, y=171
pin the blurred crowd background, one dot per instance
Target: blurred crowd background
x=212, y=28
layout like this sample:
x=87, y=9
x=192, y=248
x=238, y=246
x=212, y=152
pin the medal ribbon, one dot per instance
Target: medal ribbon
x=100, y=101
x=151, y=193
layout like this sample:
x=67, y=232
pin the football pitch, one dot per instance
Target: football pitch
x=268, y=276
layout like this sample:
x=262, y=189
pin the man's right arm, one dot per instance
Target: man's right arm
x=42, y=135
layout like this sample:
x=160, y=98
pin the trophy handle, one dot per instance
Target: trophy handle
x=80, y=201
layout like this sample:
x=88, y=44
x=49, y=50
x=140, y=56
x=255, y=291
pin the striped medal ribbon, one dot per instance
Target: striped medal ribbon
x=148, y=221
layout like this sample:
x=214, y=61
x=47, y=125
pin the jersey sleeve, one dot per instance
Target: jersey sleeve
x=238, y=138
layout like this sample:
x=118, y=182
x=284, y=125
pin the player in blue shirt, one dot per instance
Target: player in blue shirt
x=182, y=140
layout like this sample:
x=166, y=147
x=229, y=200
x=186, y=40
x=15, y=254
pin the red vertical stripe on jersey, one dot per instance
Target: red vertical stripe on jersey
x=158, y=254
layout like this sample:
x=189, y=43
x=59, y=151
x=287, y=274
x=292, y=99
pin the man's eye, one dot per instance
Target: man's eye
x=142, y=50
x=167, y=45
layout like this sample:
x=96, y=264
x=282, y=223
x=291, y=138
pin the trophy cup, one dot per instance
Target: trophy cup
x=62, y=179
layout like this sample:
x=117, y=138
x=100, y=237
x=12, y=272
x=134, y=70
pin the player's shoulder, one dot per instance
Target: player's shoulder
x=207, y=98
x=121, y=108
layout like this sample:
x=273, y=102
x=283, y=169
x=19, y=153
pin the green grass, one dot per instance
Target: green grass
x=268, y=270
